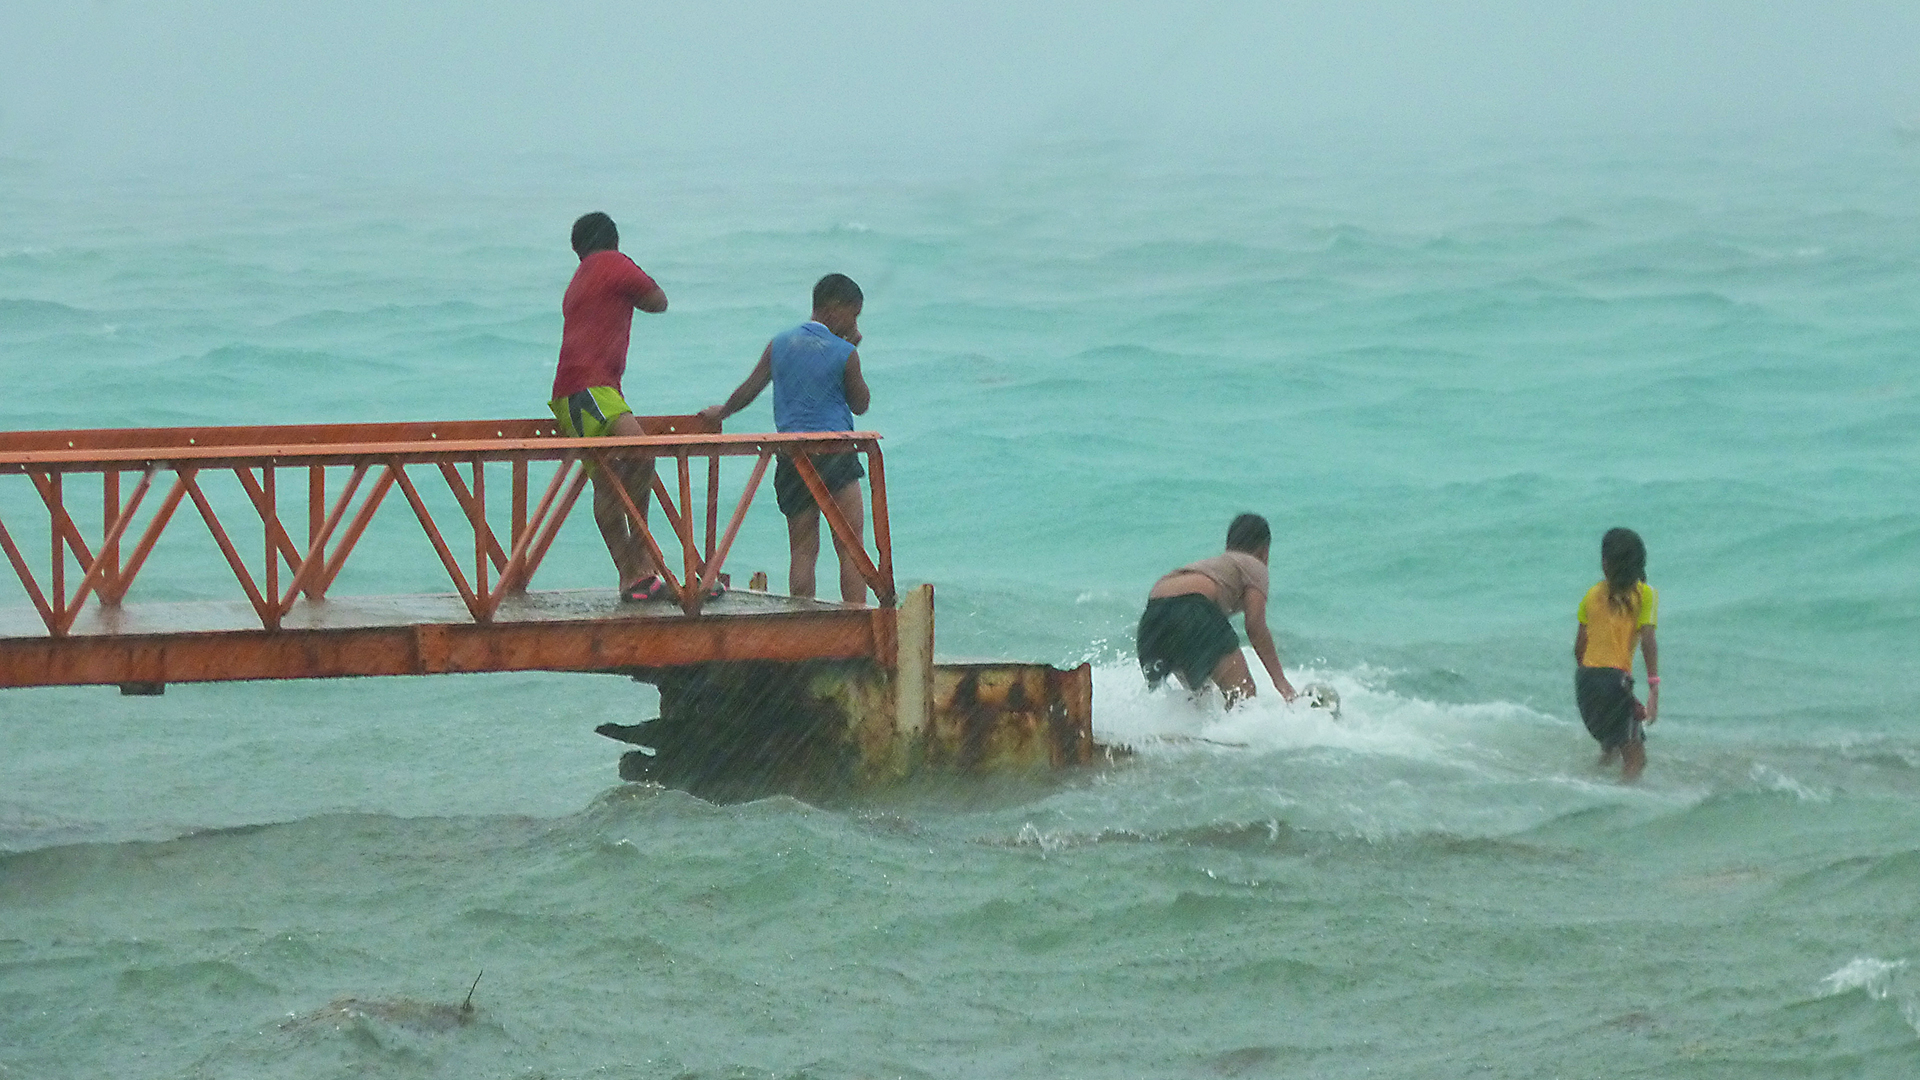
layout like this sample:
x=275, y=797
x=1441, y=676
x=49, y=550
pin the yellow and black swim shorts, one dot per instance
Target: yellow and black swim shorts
x=590, y=413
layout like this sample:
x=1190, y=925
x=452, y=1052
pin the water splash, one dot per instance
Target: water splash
x=1865, y=973
x=1879, y=980
x=1371, y=720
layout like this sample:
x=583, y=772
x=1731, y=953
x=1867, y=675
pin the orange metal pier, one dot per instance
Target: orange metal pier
x=86, y=624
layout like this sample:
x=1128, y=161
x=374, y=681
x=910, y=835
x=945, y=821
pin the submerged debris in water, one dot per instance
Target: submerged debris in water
x=421, y=1015
x=1321, y=695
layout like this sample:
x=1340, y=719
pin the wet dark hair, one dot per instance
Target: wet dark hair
x=1248, y=533
x=836, y=290
x=1623, y=559
x=595, y=232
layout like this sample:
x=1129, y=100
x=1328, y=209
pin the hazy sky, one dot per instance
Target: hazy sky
x=308, y=81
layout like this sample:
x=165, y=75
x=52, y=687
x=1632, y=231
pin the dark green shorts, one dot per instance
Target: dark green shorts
x=1184, y=636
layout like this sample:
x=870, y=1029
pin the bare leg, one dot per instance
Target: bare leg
x=629, y=552
x=1233, y=678
x=803, y=539
x=853, y=587
x=1633, y=759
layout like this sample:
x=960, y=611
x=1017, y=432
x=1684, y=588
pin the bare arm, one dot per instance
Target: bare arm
x=1650, y=649
x=1580, y=645
x=653, y=301
x=858, y=396
x=743, y=395
x=1262, y=640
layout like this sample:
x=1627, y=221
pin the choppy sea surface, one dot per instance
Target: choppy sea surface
x=1441, y=377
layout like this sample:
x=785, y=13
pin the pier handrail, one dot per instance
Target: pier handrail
x=256, y=455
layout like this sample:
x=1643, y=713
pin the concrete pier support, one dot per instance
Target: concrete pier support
x=1010, y=718
x=826, y=729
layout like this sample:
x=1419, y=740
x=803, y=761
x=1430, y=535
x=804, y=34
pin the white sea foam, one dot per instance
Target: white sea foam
x=1864, y=973
x=1031, y=835
x=1393, y=764
x=1372, y=720
x=1774, y=780
x=1880, y=980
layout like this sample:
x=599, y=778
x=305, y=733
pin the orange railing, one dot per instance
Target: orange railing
x=175, y=460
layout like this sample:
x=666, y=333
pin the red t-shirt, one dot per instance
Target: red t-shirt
x=598, y=309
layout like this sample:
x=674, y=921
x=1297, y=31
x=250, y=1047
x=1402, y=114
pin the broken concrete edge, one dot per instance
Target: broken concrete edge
x=841, y=726
x=831, y=724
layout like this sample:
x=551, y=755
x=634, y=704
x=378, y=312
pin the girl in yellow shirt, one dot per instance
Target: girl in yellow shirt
x=1615, y=615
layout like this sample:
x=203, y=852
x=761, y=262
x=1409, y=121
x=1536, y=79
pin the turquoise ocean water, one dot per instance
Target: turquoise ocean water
x=1441, y=377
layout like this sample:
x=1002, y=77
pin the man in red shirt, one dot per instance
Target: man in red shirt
x=598, y=309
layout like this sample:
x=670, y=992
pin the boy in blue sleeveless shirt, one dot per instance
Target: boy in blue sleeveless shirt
x=817, y=386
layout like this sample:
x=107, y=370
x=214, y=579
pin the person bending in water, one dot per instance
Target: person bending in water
x=817, y=386
x=1614, y=615
x=598, y=310
x=1184, y=631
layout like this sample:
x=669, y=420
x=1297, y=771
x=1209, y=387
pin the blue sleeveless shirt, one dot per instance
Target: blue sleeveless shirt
x=809, y=371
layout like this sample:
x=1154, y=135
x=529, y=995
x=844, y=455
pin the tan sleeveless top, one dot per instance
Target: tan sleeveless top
x=1235, y=572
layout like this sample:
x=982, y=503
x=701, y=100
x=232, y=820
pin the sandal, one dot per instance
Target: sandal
x=647, y=588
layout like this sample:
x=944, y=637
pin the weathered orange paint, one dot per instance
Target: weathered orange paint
x=619, y=645
x=171, y=463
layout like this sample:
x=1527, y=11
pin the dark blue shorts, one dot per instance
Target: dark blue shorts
x=836, y=471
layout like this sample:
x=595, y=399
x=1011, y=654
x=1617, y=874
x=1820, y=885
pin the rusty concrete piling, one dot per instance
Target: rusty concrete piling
x=830, y=729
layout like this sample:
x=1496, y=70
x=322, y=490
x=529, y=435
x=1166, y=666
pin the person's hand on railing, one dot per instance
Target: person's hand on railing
x=715, y=413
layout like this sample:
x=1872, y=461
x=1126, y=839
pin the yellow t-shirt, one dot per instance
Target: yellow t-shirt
x=1611, y=633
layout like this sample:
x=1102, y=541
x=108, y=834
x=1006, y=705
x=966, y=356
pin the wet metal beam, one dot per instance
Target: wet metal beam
x=437, y=648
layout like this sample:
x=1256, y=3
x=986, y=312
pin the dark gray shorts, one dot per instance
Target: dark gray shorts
x=1184, y=636
x=1605, y=696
